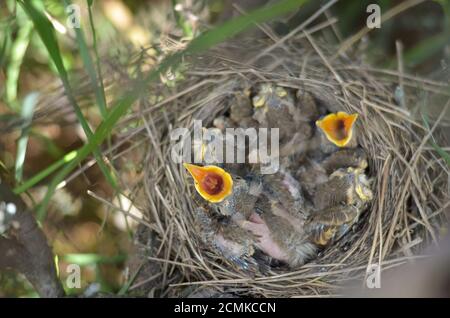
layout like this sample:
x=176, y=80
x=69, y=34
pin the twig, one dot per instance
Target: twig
x=26, y=249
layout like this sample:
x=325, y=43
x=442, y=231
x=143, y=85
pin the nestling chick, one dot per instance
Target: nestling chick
x=332, y=132
x=347, y=157
x=307, y=105
x=314, y=172
x=260, y=213
x=223, y=122
x=241, y=113
x=275, y=107
x=338, y=127
x=234, y=195
x=338, y=204
x=224, y=235
x=348, y=186
x=241, y=107
x=310, y=174
x=245, y=213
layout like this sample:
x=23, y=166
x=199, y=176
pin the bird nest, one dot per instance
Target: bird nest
x=410, y=178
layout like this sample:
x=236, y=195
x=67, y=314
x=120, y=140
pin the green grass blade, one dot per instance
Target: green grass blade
x=424, y=50
x=4, y=48
x=46, y=172
x=89, y=67
x=47, y=34
x=97, y=58
x=199, y=44
x=124, y=289
x=102, y=132
x=17, y=54
x=29, y=103
x=84, y=259
x=239, y=24
x=427, y=48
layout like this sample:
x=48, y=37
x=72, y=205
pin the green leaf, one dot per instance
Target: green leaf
x=29, y=103
x=89, y=67
x=92, y=259
x=46, y=172
x=17, y=53
x=101, y=95
x=4, y=48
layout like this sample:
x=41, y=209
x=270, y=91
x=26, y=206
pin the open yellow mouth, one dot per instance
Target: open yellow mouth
x=213, y=183
x=338, y=127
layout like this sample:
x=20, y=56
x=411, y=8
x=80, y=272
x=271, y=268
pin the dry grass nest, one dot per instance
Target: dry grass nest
x=411, y=204
x=411, y=178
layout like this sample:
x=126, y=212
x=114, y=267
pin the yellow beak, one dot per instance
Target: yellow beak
x=338, y=127
x=213, y=183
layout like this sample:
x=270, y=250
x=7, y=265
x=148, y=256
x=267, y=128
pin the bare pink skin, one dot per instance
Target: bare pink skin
x=259, y=228
x=229, y=247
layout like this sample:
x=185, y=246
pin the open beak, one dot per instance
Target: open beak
x=213, y=183
x=338, y=127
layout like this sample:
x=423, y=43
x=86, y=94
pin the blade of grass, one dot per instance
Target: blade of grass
x=17, y=54
x=46, y=172
x=27, y=112
x=427, y=48
x=424, y=50
x=47, y=35
x=97, y=58
x=6, y=36
x=91, y=258
x=199, y=44
x=101, y=133
x=239, y=24
x=124, y=289
x=89, y=67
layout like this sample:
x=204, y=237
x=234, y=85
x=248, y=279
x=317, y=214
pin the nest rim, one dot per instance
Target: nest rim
x=386, y=234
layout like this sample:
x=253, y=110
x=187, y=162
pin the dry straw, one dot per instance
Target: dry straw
x=411, y=179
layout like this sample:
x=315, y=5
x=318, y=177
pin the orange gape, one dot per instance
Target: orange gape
x=338, y=127
x=213, y=183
